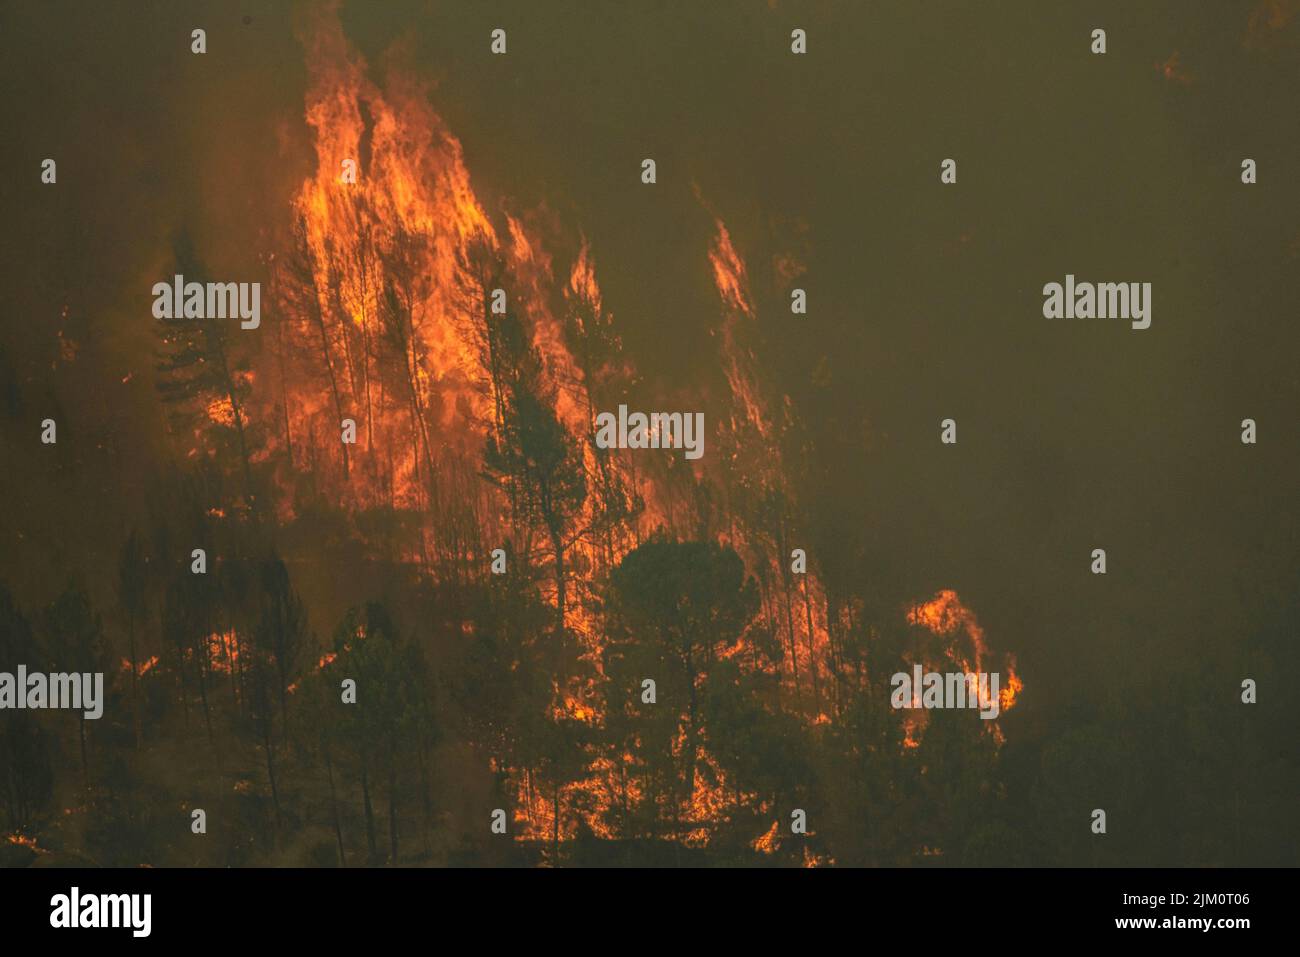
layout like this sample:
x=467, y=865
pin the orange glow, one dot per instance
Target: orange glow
x=21, y=840
x=729, y=272
x=582, y=278
x=766, y=843
x=711, y=796
x=946, y=616
x=144, y=666
x=388, y=298
x=1007, y=695
x=730, y=277
x=572, y=707
x=223, y=651
x=1267, y=20
x=412, y=230
x=811, y=859
x=222, y=412
x=1172, y=71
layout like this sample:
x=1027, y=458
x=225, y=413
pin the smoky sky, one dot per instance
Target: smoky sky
x=924, y=300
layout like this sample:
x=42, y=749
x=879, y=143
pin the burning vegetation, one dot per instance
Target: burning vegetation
x=470, y=346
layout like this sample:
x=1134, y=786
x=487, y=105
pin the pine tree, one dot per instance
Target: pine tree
x=202, y=377
x=74, y=636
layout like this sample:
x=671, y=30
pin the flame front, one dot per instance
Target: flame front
x=419, y=323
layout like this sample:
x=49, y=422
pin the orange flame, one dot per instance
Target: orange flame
x=945, y=615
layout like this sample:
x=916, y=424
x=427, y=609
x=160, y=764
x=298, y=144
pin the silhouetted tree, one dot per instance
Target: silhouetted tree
x=26, y=749
x=132, y=577
x=75, y=640
x=392, y=702
x=683, y=599
x=199, y=372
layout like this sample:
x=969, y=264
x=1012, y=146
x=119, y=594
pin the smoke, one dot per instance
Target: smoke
x=922, y=303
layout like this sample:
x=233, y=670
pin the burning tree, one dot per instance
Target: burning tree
x=676, y=609
x=202, y=378
x=473, y=350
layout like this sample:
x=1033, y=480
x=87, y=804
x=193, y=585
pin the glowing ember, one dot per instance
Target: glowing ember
x=144, y=667
x=766, y=843
x=19, y=839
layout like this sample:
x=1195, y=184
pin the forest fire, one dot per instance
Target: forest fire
x=611, y=634
x=428, y=451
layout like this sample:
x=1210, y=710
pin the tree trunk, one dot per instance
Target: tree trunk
x=334, y=803
x=812, y=648
x=558, y=547
x=228, y=386
x=555, y=824
x=284, y=396
x=270, y=771
x=691, y=747
x=284, y=696
x=85, y=765
x=392, y=804
x=370, y=813
x=203, y=694
x=789, y=624
x=424, y=793
x=329, y=366
x=135, y=678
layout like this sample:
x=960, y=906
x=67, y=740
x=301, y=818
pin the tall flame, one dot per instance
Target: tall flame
x=385, y=291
